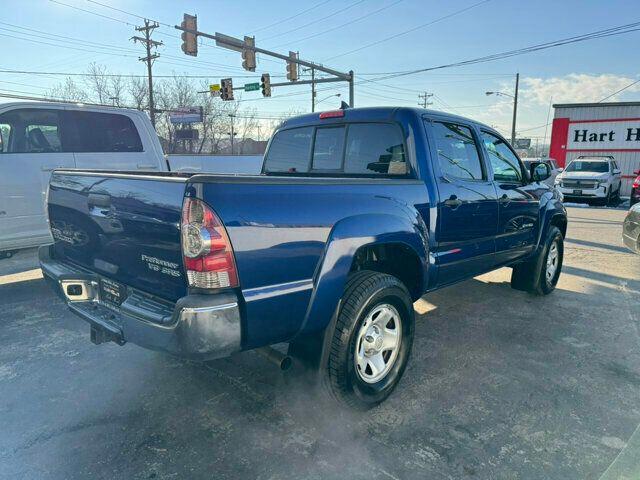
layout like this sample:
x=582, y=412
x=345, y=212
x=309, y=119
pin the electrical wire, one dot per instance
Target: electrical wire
x=279, y=22
x=405, y=32
x=618, y=91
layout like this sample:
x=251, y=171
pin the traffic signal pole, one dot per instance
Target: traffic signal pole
x=236, y=44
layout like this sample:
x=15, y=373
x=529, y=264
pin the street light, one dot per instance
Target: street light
x=515, y=108
x=327, y=98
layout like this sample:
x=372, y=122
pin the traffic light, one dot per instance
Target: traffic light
x=249, y=55
x=292, y=67
x=226, y=89
x=189, y=40
x=265, y=83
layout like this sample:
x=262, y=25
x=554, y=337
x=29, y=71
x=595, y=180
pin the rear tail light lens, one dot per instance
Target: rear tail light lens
x=208, y=256
x=636, y=183
x=332, y=114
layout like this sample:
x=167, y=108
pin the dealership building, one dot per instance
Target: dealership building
x=595, y=129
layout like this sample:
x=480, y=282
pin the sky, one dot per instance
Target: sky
x=370, y=37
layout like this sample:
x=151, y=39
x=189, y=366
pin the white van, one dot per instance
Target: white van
x=36, y=138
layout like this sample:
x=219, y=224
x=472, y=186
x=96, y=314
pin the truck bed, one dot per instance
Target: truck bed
x=126, y=227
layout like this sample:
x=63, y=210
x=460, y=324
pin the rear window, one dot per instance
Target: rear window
x=352, y=149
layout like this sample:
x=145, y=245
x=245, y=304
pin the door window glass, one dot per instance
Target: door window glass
x=457, y=151
x=327, y=149
x=505, y=164
x=106, y=132
x=31, y=130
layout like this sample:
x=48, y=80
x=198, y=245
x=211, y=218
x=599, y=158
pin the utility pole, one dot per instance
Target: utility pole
x=424, y=99
x=313, y=89
x=149, y=27
x=515, y=112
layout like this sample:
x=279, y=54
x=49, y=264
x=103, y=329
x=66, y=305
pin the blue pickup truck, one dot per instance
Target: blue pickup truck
x=356, y=215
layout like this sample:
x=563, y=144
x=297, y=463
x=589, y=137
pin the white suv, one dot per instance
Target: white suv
x=590, y=178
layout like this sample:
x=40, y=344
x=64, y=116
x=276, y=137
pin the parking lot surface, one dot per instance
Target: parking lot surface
x=501, y=385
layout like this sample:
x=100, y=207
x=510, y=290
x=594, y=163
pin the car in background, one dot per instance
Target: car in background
x=591, y=178
x=631, y=229
x=550, y=162
x=635, y=189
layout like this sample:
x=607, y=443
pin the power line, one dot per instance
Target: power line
x=76, y=74
x=93, y=13
x=314, y=21
x=290, y=18
x=324, y=32
x=619, y=30
x=618, y=91
x=377, y=42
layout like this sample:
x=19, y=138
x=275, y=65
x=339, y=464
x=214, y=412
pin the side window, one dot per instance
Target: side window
x=505, y=164
x=328, y=148
x=106, y=132
x=31, y=130
x=457, y=151
x=375, y=148
x=289, y=151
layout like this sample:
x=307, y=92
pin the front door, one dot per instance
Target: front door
x=467, y=208
x=31, y=148
x=519, y=203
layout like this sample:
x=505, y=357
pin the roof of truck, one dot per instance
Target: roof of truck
x=375, y=113
x=62, y=105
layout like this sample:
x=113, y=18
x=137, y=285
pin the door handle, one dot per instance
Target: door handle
x=453, y=202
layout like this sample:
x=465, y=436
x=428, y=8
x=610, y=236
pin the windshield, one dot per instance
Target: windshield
x=588, y=166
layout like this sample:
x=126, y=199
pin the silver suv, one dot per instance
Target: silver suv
x=590, y=178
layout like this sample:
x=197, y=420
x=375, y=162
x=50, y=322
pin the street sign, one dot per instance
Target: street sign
x=250, y=87
x=523, y=143
x=214, y=89
x=226, y=41
x=186, y=115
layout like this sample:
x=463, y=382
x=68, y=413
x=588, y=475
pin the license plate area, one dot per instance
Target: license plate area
x=112, y=294
x=577, y=192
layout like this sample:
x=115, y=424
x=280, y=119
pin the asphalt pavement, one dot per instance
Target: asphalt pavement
x=501, y=385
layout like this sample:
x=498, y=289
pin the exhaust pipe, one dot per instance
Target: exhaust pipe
x=282, y=361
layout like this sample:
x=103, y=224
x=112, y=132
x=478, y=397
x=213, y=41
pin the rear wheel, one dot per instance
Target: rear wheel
x=372, y=341
x=540, y=275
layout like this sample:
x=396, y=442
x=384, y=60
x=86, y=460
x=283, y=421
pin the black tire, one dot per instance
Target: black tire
x=531, y=276
x=366, y=291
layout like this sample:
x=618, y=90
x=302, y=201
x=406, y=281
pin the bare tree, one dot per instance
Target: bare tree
x=68, y=90
x=117, y=90
x=137, y=90
x=97, y=82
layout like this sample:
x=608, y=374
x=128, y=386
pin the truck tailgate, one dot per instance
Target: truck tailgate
x=125, y=227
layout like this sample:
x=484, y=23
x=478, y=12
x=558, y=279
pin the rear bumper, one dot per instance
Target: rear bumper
x=199, y=327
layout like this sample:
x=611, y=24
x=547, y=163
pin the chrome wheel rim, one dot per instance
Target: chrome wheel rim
x=378, y=343
x=553, y=257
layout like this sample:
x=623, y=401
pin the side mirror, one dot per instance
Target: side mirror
x=539, y=171
x=616, y=171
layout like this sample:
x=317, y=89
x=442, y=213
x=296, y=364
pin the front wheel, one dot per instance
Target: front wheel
x=540, y=275
x=372, y=340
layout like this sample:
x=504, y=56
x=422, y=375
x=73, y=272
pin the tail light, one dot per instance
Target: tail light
x=208, y=256
x=636, y=183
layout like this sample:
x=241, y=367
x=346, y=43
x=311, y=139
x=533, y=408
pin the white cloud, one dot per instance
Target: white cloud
x=575, y=87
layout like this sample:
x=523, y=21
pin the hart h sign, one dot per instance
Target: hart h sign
x=606, y=135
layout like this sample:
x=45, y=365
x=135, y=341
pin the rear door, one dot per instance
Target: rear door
x=467, y=206
x=34, y=143
x=517, y=197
